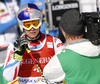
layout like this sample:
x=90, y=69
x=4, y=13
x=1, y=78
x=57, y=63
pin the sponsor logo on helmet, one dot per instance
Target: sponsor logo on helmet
x=28, y=10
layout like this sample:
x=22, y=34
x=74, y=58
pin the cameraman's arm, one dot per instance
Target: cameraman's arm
x=53, y=70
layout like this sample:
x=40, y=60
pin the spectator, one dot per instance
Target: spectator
x=8, y=25
x=8, y=29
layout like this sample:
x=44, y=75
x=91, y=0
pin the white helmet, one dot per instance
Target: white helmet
x=28, y=12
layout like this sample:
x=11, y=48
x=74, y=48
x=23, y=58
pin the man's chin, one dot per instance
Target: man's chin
x=30, y=38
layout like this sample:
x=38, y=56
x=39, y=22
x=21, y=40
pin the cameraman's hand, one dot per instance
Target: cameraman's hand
x=19, y=47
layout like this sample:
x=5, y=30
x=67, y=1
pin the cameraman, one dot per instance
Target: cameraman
x=79, y=63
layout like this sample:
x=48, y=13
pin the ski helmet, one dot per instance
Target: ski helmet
x=28, y=12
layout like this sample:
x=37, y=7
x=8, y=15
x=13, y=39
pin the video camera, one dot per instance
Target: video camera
x=92, y=26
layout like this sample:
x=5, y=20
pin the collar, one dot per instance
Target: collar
x=84, y=47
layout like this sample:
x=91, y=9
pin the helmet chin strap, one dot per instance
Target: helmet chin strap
x=35, y=39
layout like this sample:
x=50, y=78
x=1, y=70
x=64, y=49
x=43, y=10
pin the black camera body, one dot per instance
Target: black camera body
x=92, y=26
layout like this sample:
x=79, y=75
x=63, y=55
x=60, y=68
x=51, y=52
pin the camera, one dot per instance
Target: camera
x=92, y=26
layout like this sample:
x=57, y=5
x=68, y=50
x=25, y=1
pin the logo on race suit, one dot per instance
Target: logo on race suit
x=2, y=13
x=2, y=10
x=38, y=60
x=59, y=44
x=49, y=44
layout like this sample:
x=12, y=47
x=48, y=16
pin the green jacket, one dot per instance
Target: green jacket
x=79, y=63
x=80, y=69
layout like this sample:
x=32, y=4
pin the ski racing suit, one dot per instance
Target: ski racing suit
x=26, y=70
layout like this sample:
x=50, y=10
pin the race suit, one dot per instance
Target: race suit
x=26, y=70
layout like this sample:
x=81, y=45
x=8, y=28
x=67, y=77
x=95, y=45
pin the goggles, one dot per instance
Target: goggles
x=32, y=24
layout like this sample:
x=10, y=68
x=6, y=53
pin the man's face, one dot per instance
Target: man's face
x=32, y=33
x=32, y=28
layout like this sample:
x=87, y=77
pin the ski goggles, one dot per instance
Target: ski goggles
x=32, y=24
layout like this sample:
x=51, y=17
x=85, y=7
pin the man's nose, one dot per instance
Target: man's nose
x=32, y=28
